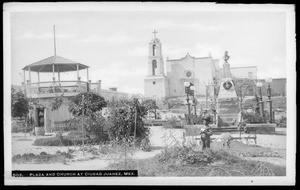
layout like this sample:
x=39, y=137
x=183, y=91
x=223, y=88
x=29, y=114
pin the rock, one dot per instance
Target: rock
x=43, y=154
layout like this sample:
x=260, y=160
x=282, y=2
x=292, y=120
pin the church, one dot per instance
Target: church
x=201, y=72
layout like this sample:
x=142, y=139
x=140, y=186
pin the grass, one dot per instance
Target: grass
x=186, y=161
x=240, y=149
x=43, y=157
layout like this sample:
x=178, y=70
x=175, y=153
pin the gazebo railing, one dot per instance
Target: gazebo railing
x=57, y=87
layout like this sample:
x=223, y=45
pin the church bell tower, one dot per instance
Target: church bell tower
x=156, y=81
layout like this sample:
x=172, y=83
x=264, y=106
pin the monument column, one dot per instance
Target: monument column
x=227, y=101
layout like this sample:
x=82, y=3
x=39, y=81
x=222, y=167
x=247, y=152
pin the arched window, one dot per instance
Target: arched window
x=153, y=49
x=154, y=65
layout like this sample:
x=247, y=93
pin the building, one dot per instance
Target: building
x=45, y=91
x=203, y=72
x=249, y=72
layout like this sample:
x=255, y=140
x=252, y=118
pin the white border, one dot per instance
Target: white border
x=108, y=6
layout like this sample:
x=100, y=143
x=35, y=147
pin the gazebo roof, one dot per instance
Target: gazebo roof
x=60, y=65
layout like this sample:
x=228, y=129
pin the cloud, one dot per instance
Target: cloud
x=131, y=90
x=171, y=24
x=47, y=35
x=114, y=39
x=203, y=50
x=139, y=52
x=174, y=52
x=115, y=74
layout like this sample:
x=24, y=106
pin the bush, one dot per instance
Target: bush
x=196, y=120
x=124, y=114
x=52, y=141
x=42, y=157
x=250, y=117
x=281, y=122
x=172, y=123
x=20, y=128
x=186, y=156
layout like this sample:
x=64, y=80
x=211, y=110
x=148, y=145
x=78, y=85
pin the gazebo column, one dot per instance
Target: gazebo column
x=88, y=81
x=29, y=75
x=78, y=72
x=53, y=77
x=87, y=73
x=38, y=84
x=24, y=76
x=58, y=77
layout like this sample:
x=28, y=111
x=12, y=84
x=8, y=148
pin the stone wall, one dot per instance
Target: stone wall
x=263, y=128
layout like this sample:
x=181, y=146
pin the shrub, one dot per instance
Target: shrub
x=172, y=123
x=69, y=125
x=196, y=120
x=42, y=157
x=281, y=122
x=250, y=117
x=51, y=141
x=186, y=156
x=85, y=107
x=20, y=128
x=123, y=115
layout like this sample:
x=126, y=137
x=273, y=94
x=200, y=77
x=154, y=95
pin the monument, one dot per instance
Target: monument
x=227, y=101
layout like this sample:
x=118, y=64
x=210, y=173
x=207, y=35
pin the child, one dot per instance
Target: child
x=206, y=132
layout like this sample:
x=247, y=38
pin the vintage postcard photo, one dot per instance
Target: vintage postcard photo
x=149, y=94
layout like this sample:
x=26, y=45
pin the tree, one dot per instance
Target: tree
x=19, y=106
x=173, y=103
x=150, y=106
x=85, y=108
x=243, y=87
x=87, y=104
x=126, y=121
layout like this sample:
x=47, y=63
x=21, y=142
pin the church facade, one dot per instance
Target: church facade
x=202, y=72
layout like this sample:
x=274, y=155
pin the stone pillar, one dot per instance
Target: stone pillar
x=226, y=70
x=47, y=120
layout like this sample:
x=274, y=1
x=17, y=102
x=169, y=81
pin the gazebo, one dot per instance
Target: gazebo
x=55, y=65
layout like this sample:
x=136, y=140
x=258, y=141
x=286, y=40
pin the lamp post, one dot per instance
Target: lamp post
x=261, y=104
x=154, y=97
x=269, y=101
x=187, y=90
x=194, y=100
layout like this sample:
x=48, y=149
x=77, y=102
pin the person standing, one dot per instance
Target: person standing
x=206, y=132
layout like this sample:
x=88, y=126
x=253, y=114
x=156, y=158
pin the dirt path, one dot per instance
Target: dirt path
x=159, y=138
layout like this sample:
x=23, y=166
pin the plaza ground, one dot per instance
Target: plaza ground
x=159, y=138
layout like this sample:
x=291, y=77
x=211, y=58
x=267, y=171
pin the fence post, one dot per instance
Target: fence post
x=82, y=120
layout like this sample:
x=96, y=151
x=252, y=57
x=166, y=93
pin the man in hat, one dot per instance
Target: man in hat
x=205, y=133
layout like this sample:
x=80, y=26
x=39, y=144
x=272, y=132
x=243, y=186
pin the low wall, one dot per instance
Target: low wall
x=263, y=128
x=154, y=122
x=192, y=130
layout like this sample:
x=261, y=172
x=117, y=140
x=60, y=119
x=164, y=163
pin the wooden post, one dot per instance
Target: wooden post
x=59, y=79
x=87, y=73
x=54, y=40
x=53, y=77
x=58, y=76
x=29, y=75
x=38, y=73
x=24, y=76
x=78, y=72
x=82, y=101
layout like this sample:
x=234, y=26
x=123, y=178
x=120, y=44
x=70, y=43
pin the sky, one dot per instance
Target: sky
x=115, y=43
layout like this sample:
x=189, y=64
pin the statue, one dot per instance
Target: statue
x=226, y=56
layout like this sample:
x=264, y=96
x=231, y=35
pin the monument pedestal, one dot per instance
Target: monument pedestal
x=227, y=104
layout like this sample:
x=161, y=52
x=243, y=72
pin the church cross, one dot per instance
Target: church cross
x=154, y=32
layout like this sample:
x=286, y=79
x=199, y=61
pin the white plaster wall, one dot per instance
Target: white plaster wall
x=159, y=89
x=202, y=68
x=242, y=72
